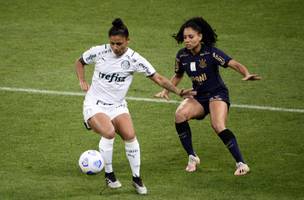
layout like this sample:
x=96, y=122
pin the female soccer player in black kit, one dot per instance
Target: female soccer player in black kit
x=200, y=60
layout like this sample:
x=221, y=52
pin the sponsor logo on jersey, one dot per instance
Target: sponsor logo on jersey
x=192, y=66
x=199, y=79
x=205, y=53
x=106, y=51
x=112, y=77
x=145, y=68
x=90, y=58
x=125, y=64
x=184, y=54
x=219, y=58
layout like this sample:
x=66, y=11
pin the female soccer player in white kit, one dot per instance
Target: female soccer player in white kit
x=105, y=109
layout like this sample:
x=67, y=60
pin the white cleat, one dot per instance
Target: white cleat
x=111, y=181
x=241, y=169
x=193, y=161
x=139, y=186
x=113, y=185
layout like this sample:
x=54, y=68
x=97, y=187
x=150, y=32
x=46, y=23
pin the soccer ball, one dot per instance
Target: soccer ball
x=91, y=162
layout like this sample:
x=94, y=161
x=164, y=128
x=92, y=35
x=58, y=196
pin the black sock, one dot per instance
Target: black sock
x=138, y=181
x=184, y=133
x=230, y=141
x=110, y=176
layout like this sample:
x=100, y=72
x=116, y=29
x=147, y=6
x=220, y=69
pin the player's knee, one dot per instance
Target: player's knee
x=218, y=127
x=180, y=116
x=109, y=135
x=129, y=138
x=108, y=132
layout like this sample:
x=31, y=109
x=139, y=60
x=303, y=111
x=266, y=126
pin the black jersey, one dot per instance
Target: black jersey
x=203, y=68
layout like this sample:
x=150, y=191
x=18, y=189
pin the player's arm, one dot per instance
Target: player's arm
x=80, y=72
x=168, y=85
x=175, y=80
x=243, y=70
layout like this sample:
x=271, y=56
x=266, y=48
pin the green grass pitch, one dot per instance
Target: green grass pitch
x=42, y=135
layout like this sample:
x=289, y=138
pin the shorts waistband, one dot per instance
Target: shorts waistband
x=103, y=103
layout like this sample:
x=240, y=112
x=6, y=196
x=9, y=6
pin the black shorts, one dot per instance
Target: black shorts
x=205, y=98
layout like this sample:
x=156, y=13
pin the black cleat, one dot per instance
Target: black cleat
x=111, y=180
x=139, y=186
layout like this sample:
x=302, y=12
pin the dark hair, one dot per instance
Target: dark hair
x=119, y=28
x=201, y=26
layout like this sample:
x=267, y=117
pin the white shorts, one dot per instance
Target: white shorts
x=92, y=106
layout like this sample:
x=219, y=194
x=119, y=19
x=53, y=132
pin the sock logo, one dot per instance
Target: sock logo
x=132, y=152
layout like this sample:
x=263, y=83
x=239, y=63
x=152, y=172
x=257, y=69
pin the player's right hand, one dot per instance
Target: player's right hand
x=251, y=77
x=163, y=94
x=84, y=86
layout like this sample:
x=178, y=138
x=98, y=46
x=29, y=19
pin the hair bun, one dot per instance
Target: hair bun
x=118, y=28
x=117, y=23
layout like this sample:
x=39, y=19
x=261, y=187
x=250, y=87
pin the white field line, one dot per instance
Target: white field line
x=65, y=93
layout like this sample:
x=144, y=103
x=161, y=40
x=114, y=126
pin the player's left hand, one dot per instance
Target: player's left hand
x=188, y=93
x=251, y=77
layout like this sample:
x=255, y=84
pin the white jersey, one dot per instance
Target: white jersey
x=113, y=74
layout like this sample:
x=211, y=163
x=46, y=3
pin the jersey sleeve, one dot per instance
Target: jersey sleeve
x=220, y=57
x=179, y=69
x=144, y=66
x=90, y=55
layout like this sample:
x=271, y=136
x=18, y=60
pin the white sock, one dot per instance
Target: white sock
x=133, y=155
x=106, y=151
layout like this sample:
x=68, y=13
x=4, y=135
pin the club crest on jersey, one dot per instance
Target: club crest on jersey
x=203, y=63
x=125, y=64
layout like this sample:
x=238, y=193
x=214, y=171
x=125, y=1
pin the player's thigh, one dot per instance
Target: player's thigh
x=189, y=109
x=101, y=123
x=124, y=126
x=218, y=115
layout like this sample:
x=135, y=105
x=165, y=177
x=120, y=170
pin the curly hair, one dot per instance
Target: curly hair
x=200, y=25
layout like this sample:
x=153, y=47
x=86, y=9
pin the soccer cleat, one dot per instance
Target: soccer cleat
x=139, y=186
x=111, y=180
x=193, y=161
x=241, y=169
